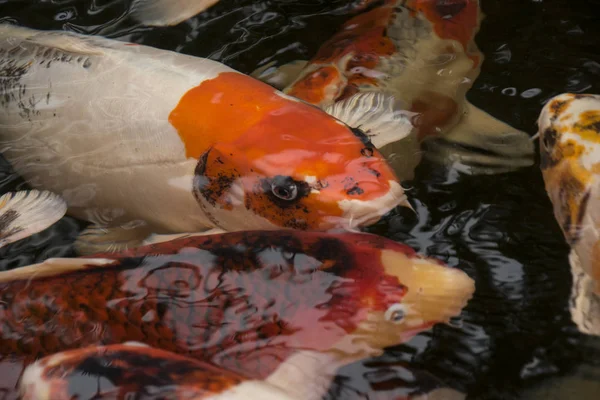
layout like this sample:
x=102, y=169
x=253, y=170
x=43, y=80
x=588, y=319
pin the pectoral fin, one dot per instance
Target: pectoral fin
x=167, y=12
x=97, y=239
x=378, y=115
x=53, y=267
x=26, y=212
x=482, y=144
x=154, y=239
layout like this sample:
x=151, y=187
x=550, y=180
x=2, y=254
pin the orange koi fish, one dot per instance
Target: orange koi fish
x=569, y=136
x=142, y=141
x=417, y=59
x=285, y=308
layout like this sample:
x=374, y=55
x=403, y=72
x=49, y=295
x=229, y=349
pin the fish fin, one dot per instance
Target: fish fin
x=167, y=12
x=52, y=267
x=279, y=77
x=65, y=41
x=377, y=114
x=98, y=239
x=155, y=238
x=481, y=144
x=584, y=302
x=26, y=212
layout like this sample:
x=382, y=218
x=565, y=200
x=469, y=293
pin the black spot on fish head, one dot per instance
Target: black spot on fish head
x=548, y=140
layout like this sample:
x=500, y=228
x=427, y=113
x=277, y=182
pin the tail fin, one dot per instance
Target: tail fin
x=482, y=144
x=26, y=212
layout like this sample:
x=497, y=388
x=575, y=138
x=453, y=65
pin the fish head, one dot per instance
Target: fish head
x=297, y=168
x=569, y=128
x=393, y=293
x=569, y=137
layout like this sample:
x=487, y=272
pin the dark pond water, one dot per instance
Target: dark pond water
x=516, y=332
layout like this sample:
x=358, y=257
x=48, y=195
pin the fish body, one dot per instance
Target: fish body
x=244, y=301
x=422, y=55
x=139, y=370
x=151, y=141
x=569, y=136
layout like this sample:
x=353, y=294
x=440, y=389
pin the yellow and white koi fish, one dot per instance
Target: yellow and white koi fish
x=569, y=134
x=143, y=141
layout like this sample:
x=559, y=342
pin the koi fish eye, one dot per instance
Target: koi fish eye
x=284, y=188
x=395, y=313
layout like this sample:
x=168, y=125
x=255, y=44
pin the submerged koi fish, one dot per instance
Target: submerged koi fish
x=167, y=12
x=288, y=307
x=141, y=141
x=417, y=59
x=569, y=134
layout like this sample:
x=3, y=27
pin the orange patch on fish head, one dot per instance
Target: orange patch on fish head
x=568, y=125
x=452, y=19
x=283, y=160
x=355, y=51
x=588, y=125
x=316, y=172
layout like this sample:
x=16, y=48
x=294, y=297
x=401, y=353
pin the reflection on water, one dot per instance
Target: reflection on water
x=516, y=332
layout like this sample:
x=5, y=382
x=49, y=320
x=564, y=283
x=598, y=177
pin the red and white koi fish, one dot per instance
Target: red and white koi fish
x=143, y=141
x=277, y=309
x=413, y=55
x=569, y=135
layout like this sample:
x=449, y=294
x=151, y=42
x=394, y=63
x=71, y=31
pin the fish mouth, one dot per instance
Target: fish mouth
x=361, y=213
x=436, y=293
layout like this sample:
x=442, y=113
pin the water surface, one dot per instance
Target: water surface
x=516, y=333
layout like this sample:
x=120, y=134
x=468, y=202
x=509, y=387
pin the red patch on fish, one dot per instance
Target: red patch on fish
x=452, y=19
x=314, y=87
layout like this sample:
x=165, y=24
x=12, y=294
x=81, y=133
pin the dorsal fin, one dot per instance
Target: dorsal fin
x=53, y=267
x=379, y=115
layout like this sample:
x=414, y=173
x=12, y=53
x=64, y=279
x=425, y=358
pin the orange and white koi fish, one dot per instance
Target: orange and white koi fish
x=143, y=141
x=419, y=56
x=569, y=133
